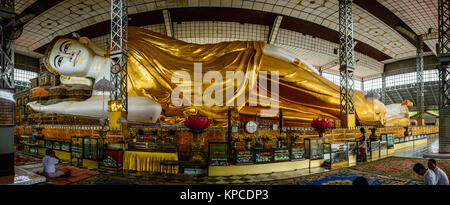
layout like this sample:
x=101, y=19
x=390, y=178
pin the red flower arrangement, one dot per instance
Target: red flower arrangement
x=321, y=125
x=196, y=123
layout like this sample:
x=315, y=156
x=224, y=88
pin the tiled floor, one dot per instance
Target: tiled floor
x=418, y=152
x=109, y=177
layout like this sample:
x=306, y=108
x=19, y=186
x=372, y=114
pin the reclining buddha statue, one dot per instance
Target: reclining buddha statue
x=153, y=59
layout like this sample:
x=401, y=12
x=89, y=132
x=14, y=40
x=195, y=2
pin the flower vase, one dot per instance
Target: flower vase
x=197, y=146
x=373, y=136
x=279, y=144
x=248, y=144
x=321, y=132
x=235, y=145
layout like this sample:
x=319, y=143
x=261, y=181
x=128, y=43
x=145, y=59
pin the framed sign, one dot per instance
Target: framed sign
x=280, y=155
x=298, y=153
x=251, y=127
x=263, y=156
x=244, y=157
x=218, y=154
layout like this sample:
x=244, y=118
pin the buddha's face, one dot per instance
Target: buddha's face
x=71, y=58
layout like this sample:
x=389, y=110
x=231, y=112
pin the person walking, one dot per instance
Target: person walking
x=441, y=176
x=363, y=145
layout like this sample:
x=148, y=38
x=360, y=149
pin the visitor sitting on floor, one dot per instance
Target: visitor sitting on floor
x=428, y=174
x=441, y=176
x=49, y=162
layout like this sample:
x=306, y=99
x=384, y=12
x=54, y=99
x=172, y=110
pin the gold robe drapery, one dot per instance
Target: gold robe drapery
x=303, y=95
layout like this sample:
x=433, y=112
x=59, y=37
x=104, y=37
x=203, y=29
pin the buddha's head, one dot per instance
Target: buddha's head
x=68, y=56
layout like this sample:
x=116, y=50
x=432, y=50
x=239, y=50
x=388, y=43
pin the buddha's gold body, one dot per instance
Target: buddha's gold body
x=303, y=94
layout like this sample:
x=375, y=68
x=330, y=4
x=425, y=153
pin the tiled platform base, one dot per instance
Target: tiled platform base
x=22, y=177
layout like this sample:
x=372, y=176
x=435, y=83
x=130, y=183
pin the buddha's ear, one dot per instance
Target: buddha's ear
x=86, y=41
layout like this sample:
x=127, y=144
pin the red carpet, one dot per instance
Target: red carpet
x=18, y=158
x=399, y=166
x=77, y=174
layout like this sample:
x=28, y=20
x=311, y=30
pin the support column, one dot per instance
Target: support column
x=443, y=51
x=383, y=88
x=420, y=96
x=7, y=86
x=274, y=31
x=168, y=23
x=118, y=104
x=346, y=64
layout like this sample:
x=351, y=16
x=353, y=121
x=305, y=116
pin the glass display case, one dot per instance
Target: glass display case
x=383, y=149
x=86, y=148
x=383, y=137
x=390, y=140
x=352, y=151
x=76, y=150
x=375, y=150
x=402, y=139
x=335, y=154
x=297, y=153
x=313, y=148
x=396, y=140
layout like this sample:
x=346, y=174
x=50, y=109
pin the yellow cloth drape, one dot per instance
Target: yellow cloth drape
x=303, y=95
x=149, y=161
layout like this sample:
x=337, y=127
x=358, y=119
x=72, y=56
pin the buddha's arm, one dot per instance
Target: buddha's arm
x=285, y=55
x=141, y=109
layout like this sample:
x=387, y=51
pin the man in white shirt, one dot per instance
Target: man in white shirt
x=429, y=175
x=49, y=161
x=441, y=176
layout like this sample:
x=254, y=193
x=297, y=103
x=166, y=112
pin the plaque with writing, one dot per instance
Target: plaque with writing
x=7, y=107
x=244, y=157
x=263, y=156
x=281, y=155
x=218, y=154
x=298, y=153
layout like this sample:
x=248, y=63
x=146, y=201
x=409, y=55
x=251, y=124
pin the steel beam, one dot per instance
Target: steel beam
x=119, y=36
x=275, y=28
x=346, y=58
x=168, y=23
x=419, y=68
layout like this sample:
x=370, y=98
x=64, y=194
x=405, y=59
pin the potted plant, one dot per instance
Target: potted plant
x=321, y=126
x=294, y=137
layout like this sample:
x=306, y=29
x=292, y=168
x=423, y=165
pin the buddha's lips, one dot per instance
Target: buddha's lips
x=76, y=58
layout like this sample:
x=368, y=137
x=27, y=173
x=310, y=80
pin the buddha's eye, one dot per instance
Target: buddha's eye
x=59, y=61
x=66, y=47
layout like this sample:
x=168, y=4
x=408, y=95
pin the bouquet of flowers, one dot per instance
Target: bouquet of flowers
x=247, y=137
x=266, y=137
x=321, y=125
x=237, y=137
x=295, y=136
x=281, y=136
